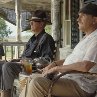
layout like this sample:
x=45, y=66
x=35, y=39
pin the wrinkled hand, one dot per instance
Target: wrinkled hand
x=49, y=71
x=21, y=61
x=48, y=67
x=45, y=69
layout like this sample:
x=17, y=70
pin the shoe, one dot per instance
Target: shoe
x=6, y=93
x=0, y=93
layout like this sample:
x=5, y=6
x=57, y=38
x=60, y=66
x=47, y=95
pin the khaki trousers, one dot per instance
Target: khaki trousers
x=25, y=89
x=38, y=87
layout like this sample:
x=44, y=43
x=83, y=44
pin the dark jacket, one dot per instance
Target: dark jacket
x=41, y=45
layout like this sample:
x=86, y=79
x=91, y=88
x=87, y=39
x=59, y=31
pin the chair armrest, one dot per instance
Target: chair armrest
x=68, y=72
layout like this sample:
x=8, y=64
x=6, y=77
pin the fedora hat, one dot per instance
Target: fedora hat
x=39, y=15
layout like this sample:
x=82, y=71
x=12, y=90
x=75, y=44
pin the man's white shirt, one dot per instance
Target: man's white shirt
x=86, y=49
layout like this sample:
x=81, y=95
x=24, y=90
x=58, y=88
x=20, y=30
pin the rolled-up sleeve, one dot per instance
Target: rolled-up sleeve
x=91, y=54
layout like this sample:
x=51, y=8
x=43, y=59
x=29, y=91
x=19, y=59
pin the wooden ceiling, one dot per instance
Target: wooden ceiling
x=7, y=10
x=29, y=5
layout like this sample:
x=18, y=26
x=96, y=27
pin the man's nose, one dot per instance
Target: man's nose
x=31, y=22
x=78, y=19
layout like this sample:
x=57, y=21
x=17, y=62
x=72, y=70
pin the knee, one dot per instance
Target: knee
x=5, y=66
x=35, y=82
x=39, y=84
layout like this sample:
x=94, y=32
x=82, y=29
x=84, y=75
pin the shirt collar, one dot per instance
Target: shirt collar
x=40, y=34
x=94, y=33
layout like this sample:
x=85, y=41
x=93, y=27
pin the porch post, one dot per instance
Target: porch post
x=18, y=19
x=18, y=25
x=55, y=19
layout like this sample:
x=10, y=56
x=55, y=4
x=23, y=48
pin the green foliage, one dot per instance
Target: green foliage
x=48, y=29
x=4, y=31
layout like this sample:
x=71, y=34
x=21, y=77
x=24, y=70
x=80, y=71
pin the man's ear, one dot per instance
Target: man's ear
x=95, y=20
x=43, y=24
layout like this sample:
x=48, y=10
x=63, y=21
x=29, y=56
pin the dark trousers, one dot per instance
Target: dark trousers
x=10, y=71
x=1, y=63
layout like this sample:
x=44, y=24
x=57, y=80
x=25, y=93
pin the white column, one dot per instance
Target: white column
x=18, y=25
x=18, y=19
x=55, y=19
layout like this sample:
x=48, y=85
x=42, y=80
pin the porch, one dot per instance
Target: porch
x=65, y=31
x=62, y=14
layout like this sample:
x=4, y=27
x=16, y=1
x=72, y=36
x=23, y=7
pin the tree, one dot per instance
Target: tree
x=4, y=31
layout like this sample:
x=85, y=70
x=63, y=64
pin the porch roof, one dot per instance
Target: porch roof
x=7, y=10
x=28, y=5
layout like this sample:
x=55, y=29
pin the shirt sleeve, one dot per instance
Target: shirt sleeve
x=91, y=54
x=48, y=48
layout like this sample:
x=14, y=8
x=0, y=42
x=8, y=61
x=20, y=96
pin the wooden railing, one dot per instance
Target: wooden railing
x=9, y=49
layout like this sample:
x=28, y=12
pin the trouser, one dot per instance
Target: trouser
x=1, y=64
x=39, y=86
x=10, y=71
x=25, y=89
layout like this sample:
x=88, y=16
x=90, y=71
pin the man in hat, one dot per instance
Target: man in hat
x=83, y=59
x=39, y=45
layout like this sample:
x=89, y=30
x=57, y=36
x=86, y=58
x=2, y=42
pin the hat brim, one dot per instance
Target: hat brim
x=40, y=19
x=36, y=18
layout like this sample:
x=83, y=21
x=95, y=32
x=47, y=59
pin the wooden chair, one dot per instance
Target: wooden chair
x=69, y=72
